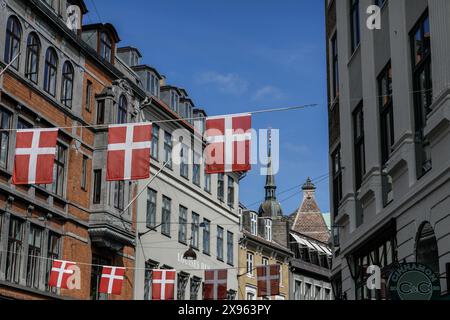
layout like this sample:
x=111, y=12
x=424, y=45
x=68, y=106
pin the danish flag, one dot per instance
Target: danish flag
x=34, y=156
x=129, y=152
x=229, y=142
x=112, y=280
x=268, y=278
x=60, y=273
x=216, y=284
x=163, y=284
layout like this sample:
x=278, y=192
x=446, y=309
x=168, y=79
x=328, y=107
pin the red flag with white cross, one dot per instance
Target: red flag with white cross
x=229, y=143
x=216, y=284
x=129, y=152
x=268, y=278
x=34, y=156
x=112, y=280
x=163, y=284
x=60, y=273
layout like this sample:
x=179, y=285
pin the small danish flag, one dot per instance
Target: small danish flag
x=229, y=142
x=216, y=284
x=34, y=156
x=268, y=278
x=112, y=280
x=129, y=152
x=60, y=273
x=163, y=284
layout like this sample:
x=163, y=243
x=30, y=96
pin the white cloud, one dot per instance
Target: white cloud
x=268, y=93
x=230, y=83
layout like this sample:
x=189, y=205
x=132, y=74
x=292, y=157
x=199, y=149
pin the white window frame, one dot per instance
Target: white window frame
x=254, y=223
x=250, y=265
x=268, y=229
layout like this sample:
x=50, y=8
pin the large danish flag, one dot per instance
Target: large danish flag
x=216, y=284
x=268, y=278
x=34, y=156
x=129, y=152
x=112, y=280
x=60, y=273
x=163, y=284
x=229, y=142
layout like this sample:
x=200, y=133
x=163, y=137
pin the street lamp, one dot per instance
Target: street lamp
x=190, y=254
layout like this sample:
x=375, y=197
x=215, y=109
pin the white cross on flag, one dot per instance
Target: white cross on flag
x=216, y=284
x=34, y=156
x=163, y=284
x=60, y=273
x=112, y=280
x=129, y=152
x=229, y=142
x=268, y=278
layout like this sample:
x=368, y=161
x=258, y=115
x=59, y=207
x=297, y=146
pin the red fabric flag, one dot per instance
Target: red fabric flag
x=163, y=284
x=216, y=284
x=60, y=273
x=268, y=278
x=112, y=280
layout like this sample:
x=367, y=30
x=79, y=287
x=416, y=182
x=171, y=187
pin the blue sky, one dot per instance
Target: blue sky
x=235, y=56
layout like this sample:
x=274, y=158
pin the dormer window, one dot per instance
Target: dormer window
x=174, y=101
x=254, y=223
x=268, y=229
x=152, y=84
x=105, y=46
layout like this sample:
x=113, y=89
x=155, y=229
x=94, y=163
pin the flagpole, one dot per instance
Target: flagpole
x=9, y=64
x=145, y=187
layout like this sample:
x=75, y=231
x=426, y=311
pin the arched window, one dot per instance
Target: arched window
x=105, y=46
x=12, y=45
x=122, y=110
x=67, y=84
x=427, y=248
x=32, y=64
x=50, y=72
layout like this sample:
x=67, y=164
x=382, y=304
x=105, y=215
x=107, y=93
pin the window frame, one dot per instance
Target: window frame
x=68, y=77
x=152, y=203
x=220, y=243
x=13, y=41
x=51, y=71
x=33, y=55
x=359, y=144
x=182, y=225
x=166, y=216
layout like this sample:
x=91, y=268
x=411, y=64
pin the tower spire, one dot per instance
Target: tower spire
x=270, y=186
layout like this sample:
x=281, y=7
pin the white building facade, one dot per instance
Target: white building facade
x=389, y=139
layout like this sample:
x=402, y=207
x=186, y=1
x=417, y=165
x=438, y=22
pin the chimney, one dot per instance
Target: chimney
x=162, y=82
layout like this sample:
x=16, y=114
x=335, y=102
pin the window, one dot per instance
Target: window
x=386, y=113
x=206, y=236
x=50, y=71
x=96, y=274
x=265, y=261
x=96, y=198
x=297, y=290
x=155, y=142
x=195, y=229
x=32, y=62
x=337, y=179
x=230, y=251
x=231, y=295
x=174, y=101
x=196, y=169
x=230, y=192
x=101, y=112
x=308, y=291
x=182, y=231
x=335, y=66
x=195, y=287
x=166, y=211
x=182, y=280
x=105, y=46
x=119, y=194
x=327, y=294
x=84, y=173
x=5, y=123
x=122, y=110
x=52, y=254
x=88, y=96
x=360, y=160
x=318, y=292
x=67, y=84
x=251, y=295
x=207, y=182
x=149, y=82
x=423, y=88
x=219, y=243
x=14, y=250
x=354, y=24
x=34, y=257
x=168, y=145
x=250, y=264
x=151, y=208
x=268, y=229
x=253, y=223
x=184, y=167
x=13, y=38
x=220, y=186
x=59, y=170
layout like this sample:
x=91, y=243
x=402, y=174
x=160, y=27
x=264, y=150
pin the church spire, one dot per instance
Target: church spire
x=270, y=186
